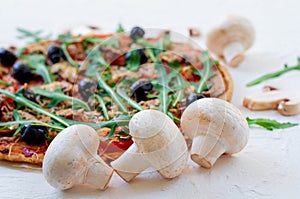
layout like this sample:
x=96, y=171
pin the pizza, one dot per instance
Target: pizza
x=100, y=80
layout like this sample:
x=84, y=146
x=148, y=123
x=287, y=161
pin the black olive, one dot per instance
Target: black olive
x=193, y=97
x=137, y=32
x=22, y=72
x=29, y=94
x=55, y=54
x=138, y=52
x=140, y=89
x=7, y=58
x=86, y=88
x=32, y=134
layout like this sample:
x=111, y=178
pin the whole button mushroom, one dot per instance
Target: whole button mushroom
x=231, y=39
x=216, y=127
x=72, y=159
x=158, y=143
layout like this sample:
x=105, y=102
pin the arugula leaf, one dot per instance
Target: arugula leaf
x=206, y=73
x=134, y=61
x=69, y=58
x=269, y=124
x=94, y=61
x=119, y=120
x=58, y=96
x=21, y=100
x=35, y=36
x=120, y=29
x=69, y=38
x=5, y=83
x=37, y=62
x=33, y=122
x=111, y=93
x=103, y=107
x=162, y=86
x=111, y=41
x=123, y=95
x=274, y=74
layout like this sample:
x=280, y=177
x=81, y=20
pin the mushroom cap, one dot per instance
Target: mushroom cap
x=160, y=141
x=148, y=123
x=233, y=29
x=217, y=119
x=66, y=158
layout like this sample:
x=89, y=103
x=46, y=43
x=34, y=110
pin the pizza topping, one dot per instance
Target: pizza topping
x=216, y=127
x=5, y=150
x=7, y=58
x=137, y=32
x=32, y=134
x=193, y=97
x=135, y=58
x=140, y=89
x=29, y=94
x=86, y=88
x=27, y=152
x=55, y=54
x=22, y=72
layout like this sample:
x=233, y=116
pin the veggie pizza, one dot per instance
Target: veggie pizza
x=100, y=80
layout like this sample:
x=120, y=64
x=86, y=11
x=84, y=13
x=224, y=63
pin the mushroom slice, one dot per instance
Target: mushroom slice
x=286, y=103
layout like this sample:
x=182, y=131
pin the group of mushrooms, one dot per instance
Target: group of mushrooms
x=215, y=127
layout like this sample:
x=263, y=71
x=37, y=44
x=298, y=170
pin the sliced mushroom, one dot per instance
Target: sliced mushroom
x=158, y=143
x=72, y=159
x=216, y=127
x=231, y=39
x=286, y=103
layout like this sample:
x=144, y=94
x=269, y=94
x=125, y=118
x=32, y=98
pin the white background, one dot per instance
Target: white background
x=267, y=168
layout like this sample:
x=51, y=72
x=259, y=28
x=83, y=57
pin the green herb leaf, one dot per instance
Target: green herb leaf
x=134, y=61
x=69, y=58
x=103, y=107
x=120, y=29
x=94, y=62
x=269, y=124
x=68, y=38
x=111, y=93
x=37, y=62
x=58, y=96
x=206, y=73
x=21, y=100
x=35, y=36
x=122, y=94
x=5, y=83
x=274, y=74
x=162, y=86
x=111, y=41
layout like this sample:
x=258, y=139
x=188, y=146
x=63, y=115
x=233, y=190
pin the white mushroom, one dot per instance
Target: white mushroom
x=231, y=39
x=72, y=159
x=216, y=127
x=158, y=143
x=285, y=102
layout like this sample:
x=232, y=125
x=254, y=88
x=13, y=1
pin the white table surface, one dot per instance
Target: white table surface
x=267, y=168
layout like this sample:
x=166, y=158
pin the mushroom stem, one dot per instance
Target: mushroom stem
x=233, y=53
x=130, y=164
x=98, y=174
x=206, y=150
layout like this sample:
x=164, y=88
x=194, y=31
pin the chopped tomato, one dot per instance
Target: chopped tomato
x=122, y=144
x=101, y=36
